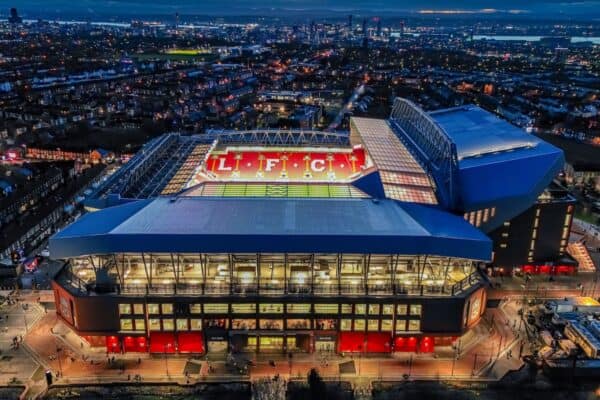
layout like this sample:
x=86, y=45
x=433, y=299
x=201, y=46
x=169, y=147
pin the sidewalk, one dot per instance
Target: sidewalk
x=483, y=359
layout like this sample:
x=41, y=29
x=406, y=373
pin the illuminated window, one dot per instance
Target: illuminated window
x=326, y=308
x=243, y=308
x=276, y=324
x=182, y=324
x=493, y=212
x=374, y=309
x=153, y=309
x=414, y=325
x=168, y=324
x=217, y=308
x=154, y=324
x=298, y=323
x=486, y=214
x=346, y=308
x=401, y=309
x=387, y=309
x=196, y=308
x=373, y=325
x=502, y=245
x=195, y=324
x=271, y=308
x=126, y=324
x=504, y=235
x=346, y=325
x=140, y=324
x=415, y=309
x=386, y=325
x=243, y=324
x=138, y=309
x=400, y=325
x=298, y=308
x=359, y=325
x=124, y=309
x=360, y=309
x=167, y=308
x=507, y=223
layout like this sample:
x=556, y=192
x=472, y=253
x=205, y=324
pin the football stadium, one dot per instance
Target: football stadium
x=371, y=241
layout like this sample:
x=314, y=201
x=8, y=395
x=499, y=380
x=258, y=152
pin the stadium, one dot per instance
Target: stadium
x=300, y=241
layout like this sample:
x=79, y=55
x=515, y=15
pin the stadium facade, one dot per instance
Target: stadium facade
x=300, y=241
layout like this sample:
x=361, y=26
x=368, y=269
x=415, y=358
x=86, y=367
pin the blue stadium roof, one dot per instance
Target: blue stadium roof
x=188, y=224
x=477, y=132
x=499, y=164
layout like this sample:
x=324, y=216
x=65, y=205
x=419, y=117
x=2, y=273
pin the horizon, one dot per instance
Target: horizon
x=92, y=9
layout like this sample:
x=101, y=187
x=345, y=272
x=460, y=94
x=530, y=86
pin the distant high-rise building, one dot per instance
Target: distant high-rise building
x=14, y=17
x=364, y=27
x=350, y=22
x=378, y=27
x=401, y=28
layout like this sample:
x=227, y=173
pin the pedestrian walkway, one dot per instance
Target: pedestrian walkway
x=486, y=353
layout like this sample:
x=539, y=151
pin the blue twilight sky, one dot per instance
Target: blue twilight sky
x=588, y=8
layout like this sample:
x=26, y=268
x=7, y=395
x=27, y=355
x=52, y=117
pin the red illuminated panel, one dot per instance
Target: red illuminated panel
x=352, y=342
x=190, y=342
x=405, y=344
x=286, y=165
x=379, y=342
x=162, y=342
x=565, y=269
x=113, y=344
x=135, y=344
x=426, y=345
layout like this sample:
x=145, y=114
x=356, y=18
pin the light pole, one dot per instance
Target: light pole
x=474, y=365
x=499, y=346
x=167, y=345
x=453, y=362
x=58, y=349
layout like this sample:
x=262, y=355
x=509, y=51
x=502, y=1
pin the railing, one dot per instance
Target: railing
x=267, y=287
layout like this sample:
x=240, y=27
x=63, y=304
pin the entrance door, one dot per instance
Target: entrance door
x=271, y=344
x=217, y=346
x=325, y=346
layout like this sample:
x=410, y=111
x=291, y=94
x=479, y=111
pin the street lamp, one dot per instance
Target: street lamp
x=453, y=361
x=167, y=345
x=58, y=349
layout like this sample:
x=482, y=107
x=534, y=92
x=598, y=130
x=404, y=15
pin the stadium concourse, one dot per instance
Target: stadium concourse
x=288, y=241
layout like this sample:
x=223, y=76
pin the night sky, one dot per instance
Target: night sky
x=589, y=8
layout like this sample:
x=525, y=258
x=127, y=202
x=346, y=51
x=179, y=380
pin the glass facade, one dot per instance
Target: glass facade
x=276, y=274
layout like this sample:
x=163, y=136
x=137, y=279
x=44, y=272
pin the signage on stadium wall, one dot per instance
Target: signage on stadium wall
x=328, y=165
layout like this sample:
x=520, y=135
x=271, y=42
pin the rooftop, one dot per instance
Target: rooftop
x=403, y=178
x=477, y=132
x=205, y=224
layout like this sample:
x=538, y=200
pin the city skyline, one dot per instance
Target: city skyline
x=588, y=9
x=304, y=199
